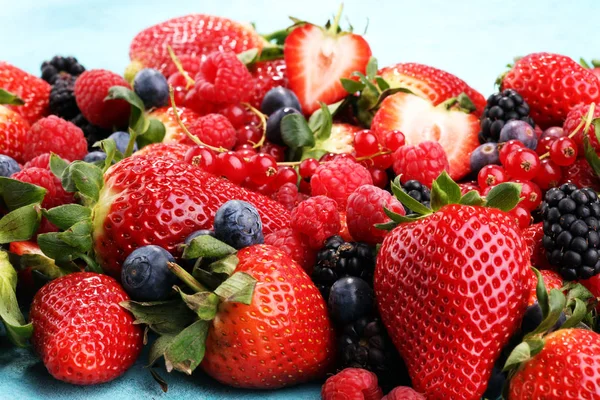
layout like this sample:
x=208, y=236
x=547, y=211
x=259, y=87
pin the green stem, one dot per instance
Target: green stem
x=336, y=22
x=186, y=277
x=132, y=136
x=92, y=265
x=279, y=36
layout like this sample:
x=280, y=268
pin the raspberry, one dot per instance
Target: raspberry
x=293, y=244
x=41, y=161
x=422, y=162
x=288, y=195
x=352, y=384
x=189, y=62
x=403, y=393
x=54, y=134
x=581, y=174
x=214, y=130
x=338, y=179
x=317, y=218
x=574, y=118
x=55, y=195
x=223, y=78
x=466, y=187
x=533, y=236
x=267, y=75
x=365, y=209
x=171, y=150
x=91, y=88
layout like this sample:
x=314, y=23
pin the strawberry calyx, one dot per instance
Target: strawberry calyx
x=10, y=98
x=462, y=102
x=595, y=63
x=18, y=331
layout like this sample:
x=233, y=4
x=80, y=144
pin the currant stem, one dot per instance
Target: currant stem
x=263, y=125
x=380, y=153
x=177, y=62
x=186, y=277
x=584, y=121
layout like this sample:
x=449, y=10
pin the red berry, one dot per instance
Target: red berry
x=383, y=161
x=223, y=79
x=199, y=105
x=249, y=134
x=491, y=175
x=55, y=194
x=504, y=149
x=352, y=384
x=379, y=176
x=394, y=139
x=522, y=164
x=423, y=162
x=531, y=195
x=544, y=145
x=285, y=175
x=308, y=167
x=466, y=187
x=338, y=179
x=179, y=83
x=203, y=157
x=236, y=114
x=549, y=175
x=214, y=130
x=316, y=218
x=581, y=174
x=262, y=168
x=563, y=151
x=245, y=150
x=294, y=245
x=522, y=216
x=232, y=166
x=403, y=393
x=305, y=187
x=41, y=161
x=277, y=152
x=365, y=143
x=55, y=135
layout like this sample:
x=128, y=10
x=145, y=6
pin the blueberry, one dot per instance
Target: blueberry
x=495, y=383
x=274, y=124
x=350, y=298
x=152, y=87
x=8, y=166
x=279, y=97
x=533, y=318
x=122, y=140
x=94, y=156
x=483, y=155
x=238, y=224
x=145, y=274
x=521, y=131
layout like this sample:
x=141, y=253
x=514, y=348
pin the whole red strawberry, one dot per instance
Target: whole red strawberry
x=352, y=384
x=451, y=289
x=55, y=135
x=568, y=367
x=34, y=91
x=91, y=89
x=552, y=85
x=13, y=134
x=80, y=331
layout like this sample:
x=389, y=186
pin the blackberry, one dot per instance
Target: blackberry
x=417, y=191
x=502, y=107
x=62, y=98
x=571, y=220
x=340, y=258
x=91, y=132
x=57, y=66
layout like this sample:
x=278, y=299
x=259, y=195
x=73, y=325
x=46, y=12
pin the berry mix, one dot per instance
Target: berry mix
x=269, y=214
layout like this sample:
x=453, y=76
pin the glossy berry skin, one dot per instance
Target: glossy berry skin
x=504, y=149
x=232, y=166
x=238, y=224
x=485, y=154
x=350, y=298
x=339, y=179
x=521, y=131
x=521, y=215
x=262, y=168
x=274, y=124
x=554, y=132
x=574, y=118
x=122, y=141
x=8, y=166
x=568, y=367
x=94, y=156
x=287, y=313
x=379, y=176
x=267, y=75
x=450, y=264
x=352, y=384
x=34, y=91
x=223, y=79
x=544, y=144
x=316, y=218
x=531, y=195
x=277, y=98
x=423, y=162
x=522, y=164
x=549, y=175
x=80, y=331
x=152, y=87
x=533, y=236
x=284, y=175
x=294, y=245
x=491, y=175
x=365, y=143
x=581, y=174
x=43, y=177
x=145, y=275
x=394, y=139
x=403, y=393
x=13, y=134
x=308, y=167
x=202, y=157
x=563, y=151
x=55, y=135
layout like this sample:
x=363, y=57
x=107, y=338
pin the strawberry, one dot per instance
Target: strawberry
x=80, y=332
x=552, y=280
x=420, y=120
x=172, y=150
x=551, y=84
x=13, y=134
x=34, y=91
x=194, y=35
x=174, y=133
x=316, y=60
x=581, y=174
x=568, y=367
x=432, y=83
x=26, y=285
x=267, y=75
x=451, y=289
x=533, y=236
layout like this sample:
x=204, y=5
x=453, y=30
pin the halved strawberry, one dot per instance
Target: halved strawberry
x=317, y=58
x=173, y=132
x=420, y=120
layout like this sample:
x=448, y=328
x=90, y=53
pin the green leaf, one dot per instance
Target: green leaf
x=591, y=156
x=535, y=345
x=157, y=350
x=225, y=265
x=372, y=68
x=79, y=236
x=596, y=63
x=386, y=226
x=17, y=194
x=249, y=56
x=408, y=201
x=47, y=266
x=584, y=63
x=163, y=317
x=398, y=218
x=577, y=291
x=382, y=83
x=137, y=120
x=20, y=224
x=351, y=86
x=520, y=354
x=109, y=146
x=186, y=351
x=471, y=198
x=207, y=246
x=154, y=134
x=58, y=165
x=578, y=314
x=10, y=98
x=85, y=178
x=387, y=93
x=204, y=304
x=295, y=131
x=369, y=85
x=444, y=191
x=542, y=293
x=67, y=215
x=504, y=196
x=326, y=123
x=316, y=119
x=238, y=288
x=55, y=248
x=10, y=314
x=556, y=302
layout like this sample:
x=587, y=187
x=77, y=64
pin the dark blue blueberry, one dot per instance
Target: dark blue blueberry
x=94, y=156
x=145, y=274
x=521, y=131
x=8, y=166
x=483, y=155
x=122, y=140
x=533, y=318
x=495, y=383
x=279, y=97
x=350, y=298
x=152, y=87
x=238, y=224
x=191, y=262
x=274, y=124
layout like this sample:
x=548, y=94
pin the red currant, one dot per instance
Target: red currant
x=491, y=175
x=394, y=139
x=522, y=164
x=305, y=187
x=549, y=175
x=380, y=177
x=504, y=149
x=308, y=167
x=522, y=216
x=531, y=195
x=333, y=156
x=249, y=134
x=203, y=157
x=277, y=152
x=262, y=168
x=245, y=150
x=232, y=166
x=365, y=143
x=383, y=161
x=544, y=145
x=179, y=83
x=563, y=151
x=236, y=114
x=285, y=175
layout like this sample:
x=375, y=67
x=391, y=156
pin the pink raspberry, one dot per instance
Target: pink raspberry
x=55, y=194
x=55, y=135
x=214, y=130
x=41, y=161
x=423, y=162
x=223, y=78
x=317, y=219
x=365, y=209
x=288, y=195
x=293, y=244
x=352, y=384
x=574, y=118
x=466, y=187
x=403, y=393
x=338, y=179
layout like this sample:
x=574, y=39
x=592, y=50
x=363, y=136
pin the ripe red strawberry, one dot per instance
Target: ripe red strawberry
x=294, y=246
x=581, y=174
x=174, y=133
x=80, y=331
x=159, y=200
x=419, y=120
x=574, y=118
x=35, y=92
x=13, y=134
x=352, y=384
x=552, y=280
x=55, y=135
x=283, y=337
x=451, y=289
x=568, y=367
x=171, y=150
x=194, y=35
x=432, y=83
x=552, y=85
x=316, y=60
x=267, y=75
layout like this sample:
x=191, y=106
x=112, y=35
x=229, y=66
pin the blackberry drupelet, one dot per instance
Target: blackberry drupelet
x=340, y=258
x=417, y=191
x=62, y=98
x=571, y=221
x=58, y=66
x=91, y=132
x=502, y=107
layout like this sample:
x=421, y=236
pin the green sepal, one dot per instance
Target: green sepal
x=584, y=63
x=204, y=304
x=207, y=246
x=47, y=267
x=382, y=83
x=17, y=194
x=157, y=350
x=591, y=156
x=504, y=196
x=137, y=120
x=317, y=118
x=67, y=215
x=109, y=146
x=556, y=304
x=472, y=198
x=186, y=351
x=386, y=226
x=324, y=131
x=462, y=102
x=10, y=314
x=408, y=201
x=444, y=191
x=238, y=288
x=163, y=317
x=20, y=224
x=251, y=56
x=387, y=93
x=209, y=279
x=9, y=98
x=78, y=236
x=541, y=293
x=226, y=265
x=371, y=69
x=85, y=178
x=352, y=86
x=295, y=131
x=58, y=165
x=578, y=314
x=398, y=218
x=54, y=247
x=154, y=134
x=520, y=354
